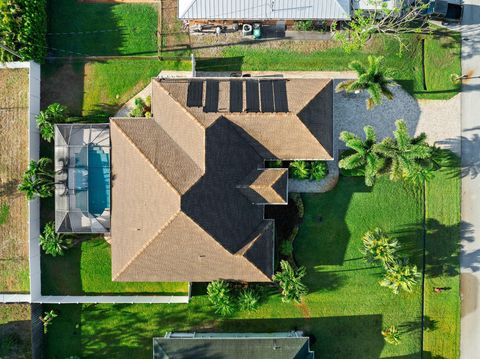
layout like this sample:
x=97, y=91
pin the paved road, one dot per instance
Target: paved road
x=470, y=259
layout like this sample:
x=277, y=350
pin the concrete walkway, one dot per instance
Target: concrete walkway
x=470, y=142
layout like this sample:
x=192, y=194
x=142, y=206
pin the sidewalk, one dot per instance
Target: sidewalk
x=470, y=141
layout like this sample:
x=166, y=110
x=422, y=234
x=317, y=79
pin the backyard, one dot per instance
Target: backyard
x=14, y=268
x=87, y=269
x=346, y=308
x=15, y=329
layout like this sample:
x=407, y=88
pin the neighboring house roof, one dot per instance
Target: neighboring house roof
x=233, y=346
x=264, y=9
x=188, y=186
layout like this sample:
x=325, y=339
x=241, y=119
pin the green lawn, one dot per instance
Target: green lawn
x=442, y=310
x=87, y=269
x=442, y=57
x=77, y=28
x=345, y=310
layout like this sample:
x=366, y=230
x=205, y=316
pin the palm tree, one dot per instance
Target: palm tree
x=52, y=242
x=400, y=275
x=407, y=157
x=248, y=299
x=391, y=335
x=364, y=156
x=290, y=280
x=38, y=179
x=46, y=319
x=318, y=170
x=372, y=79
x=378, y=247
x=45, y=119
x=299, y=169
x=220, y=296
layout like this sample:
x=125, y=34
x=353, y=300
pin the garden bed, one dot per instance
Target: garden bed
x=86, y=270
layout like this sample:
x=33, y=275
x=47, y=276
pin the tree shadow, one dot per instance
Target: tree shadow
x=470, y=162
x=416, y=325
x=9, y=188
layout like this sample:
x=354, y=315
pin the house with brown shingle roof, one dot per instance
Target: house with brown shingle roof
x=189, y=186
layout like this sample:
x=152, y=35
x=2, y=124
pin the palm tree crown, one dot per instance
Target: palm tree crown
x=372, y=79
x=364, y=155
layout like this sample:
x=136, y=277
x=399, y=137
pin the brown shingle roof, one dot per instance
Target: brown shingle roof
x=186, y=185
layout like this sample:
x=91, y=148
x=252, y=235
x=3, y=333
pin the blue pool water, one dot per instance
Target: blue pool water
x=98, y=180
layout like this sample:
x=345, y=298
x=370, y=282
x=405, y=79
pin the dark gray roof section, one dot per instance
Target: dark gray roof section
x=266, y=95
x=253, y=101
x=280, y=95
x=264, y=9
x=232, y=347
x=195, y=93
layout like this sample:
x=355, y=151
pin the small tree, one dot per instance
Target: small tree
x=220, y=296
x=54, y=113
x=52, y=242
x=403, y=18
x=318, y=170
x=38, y=179
x=4, y=213
x=372, y=79
x=47, y=319
x=400, y=275
x=364, y=156
x=290, y=281
x=406, y=157
x=378, y=247
x=299, y=170
x=391, y=335
x=248, y=299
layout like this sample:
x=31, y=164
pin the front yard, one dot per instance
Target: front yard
x=14, y=267
x=86, y=270
x=346, y=308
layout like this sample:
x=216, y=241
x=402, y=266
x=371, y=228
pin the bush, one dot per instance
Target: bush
x=274, y=164
x=23, y=28
x=286, y=247
x=299, y=170
x=290, y=281
x=297, y=199
x=304, y=25
x=142, y=108
x=219, y=294
x=318, y=170
x=248, y=299
x=53, y=243
x=54, y=113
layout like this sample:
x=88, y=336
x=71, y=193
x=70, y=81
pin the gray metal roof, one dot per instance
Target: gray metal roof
x=264, y=9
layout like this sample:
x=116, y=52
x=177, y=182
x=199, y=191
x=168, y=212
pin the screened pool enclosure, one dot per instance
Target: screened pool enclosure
x=82, y=178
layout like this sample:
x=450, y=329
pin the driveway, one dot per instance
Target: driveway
x=470, y=263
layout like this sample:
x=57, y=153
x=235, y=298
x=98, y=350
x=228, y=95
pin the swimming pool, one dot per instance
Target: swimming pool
x=98, y=180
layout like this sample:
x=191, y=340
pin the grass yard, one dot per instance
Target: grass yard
x=100, y=87
x=442, y=310
x=406, y=69
x=101, y=28
x=345, y=310
x=14, y=267
x=15, y=331
x=87, y=269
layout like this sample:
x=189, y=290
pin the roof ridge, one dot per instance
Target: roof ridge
x=146, y=158
x=305, y=104
x=260, y=229
x=171, y=219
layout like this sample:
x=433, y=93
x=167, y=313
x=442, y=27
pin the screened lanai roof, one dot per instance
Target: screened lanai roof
x=82, y=178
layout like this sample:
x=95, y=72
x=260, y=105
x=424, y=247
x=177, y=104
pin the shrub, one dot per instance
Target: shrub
x=391, y=335
x=274, y=164
x=142, y=108
x=23, y=28
x=4, y=213
x=248, y=299
x=219, y=294
x=304, y=25
x=286, y=248
x=297, y=199
x=290, y=281
x=53, y=243
x=318, y=170
x=299, y=170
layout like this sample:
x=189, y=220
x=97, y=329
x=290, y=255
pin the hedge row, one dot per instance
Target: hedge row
x=23, y=28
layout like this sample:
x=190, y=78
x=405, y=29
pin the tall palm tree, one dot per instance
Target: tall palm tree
x=400, y=275
x=45, y=119
x=371, y=78
x=364, y=156
x=407, y=157
x=379, y=247
x=38, y=179
x=290, y=281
